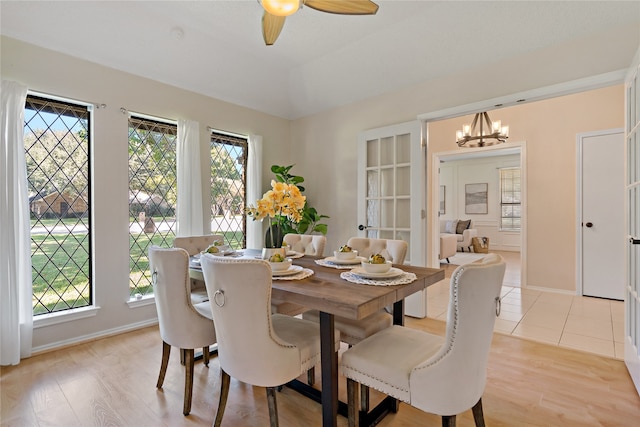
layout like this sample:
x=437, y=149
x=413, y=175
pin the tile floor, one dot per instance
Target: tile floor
x=590, y=324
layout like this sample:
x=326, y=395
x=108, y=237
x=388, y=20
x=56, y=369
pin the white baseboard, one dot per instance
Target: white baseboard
x=550, y=290
x=94, y=336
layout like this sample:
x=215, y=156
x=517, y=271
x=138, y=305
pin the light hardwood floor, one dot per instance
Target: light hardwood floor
x=111, y=382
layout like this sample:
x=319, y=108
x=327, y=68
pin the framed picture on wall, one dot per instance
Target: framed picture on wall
x=443, y=192
x=475, y=198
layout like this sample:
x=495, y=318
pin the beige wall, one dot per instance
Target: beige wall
x=549, y=129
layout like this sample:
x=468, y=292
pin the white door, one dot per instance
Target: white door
x=601, y=223
x=390, y=189
x=632, y=192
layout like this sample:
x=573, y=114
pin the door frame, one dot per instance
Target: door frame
x=579, y=219
x=491, y=151
x=538, y=94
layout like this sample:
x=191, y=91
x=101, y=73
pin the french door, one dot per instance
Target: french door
x=632, y=191
x=391, y=193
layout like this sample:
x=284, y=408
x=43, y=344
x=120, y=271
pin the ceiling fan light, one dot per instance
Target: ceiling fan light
x=281, y=7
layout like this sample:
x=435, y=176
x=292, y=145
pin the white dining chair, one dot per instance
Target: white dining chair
x=182, y=324
x=443, y=376
x=194, y=245
x=255, y=346
x=308, y=244
x=353, y=331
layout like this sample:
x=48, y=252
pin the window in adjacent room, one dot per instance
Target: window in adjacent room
x=510, y=199
x=152, y=195
x=57, y=141
x=228, y=187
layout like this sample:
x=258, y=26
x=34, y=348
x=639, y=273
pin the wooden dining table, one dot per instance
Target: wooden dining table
x=332, y=296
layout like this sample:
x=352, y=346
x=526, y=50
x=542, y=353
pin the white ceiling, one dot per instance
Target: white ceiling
x=322, y=60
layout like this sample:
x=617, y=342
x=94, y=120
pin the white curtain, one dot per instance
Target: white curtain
x=189, y=215
x=16, y=312
x=255, y=236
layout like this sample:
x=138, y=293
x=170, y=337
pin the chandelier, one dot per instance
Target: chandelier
x=482, y=132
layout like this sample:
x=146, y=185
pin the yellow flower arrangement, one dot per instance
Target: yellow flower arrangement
x=282, y=201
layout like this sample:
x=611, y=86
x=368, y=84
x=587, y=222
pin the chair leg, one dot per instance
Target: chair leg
x=353, y=411
x=448, y=421
x=188, y=380
x=166, y=350
x=311, y=375
x=273, y=407
x=224, y=393
x=364, y=398
x=478, y=415
x=205, y=355
x=182, y=356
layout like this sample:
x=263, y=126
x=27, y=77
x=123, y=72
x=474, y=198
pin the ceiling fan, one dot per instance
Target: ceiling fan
x=275, y=12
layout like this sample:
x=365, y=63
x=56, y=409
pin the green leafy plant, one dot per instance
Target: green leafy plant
x=311, y=219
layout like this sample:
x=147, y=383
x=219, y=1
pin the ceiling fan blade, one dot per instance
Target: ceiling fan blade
x=271, y=27
x=344, y=7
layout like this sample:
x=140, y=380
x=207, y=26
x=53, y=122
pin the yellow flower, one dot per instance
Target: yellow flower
x=282, y=200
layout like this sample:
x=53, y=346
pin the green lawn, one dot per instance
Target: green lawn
x=60, y=266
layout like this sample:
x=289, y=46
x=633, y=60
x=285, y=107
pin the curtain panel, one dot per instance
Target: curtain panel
x=255, y=237
x=189, y=204
x=16, y=312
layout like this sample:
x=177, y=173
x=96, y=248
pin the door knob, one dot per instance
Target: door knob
x=634, y=241
x=589, y=224
x=362, y=227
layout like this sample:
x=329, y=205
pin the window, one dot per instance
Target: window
x=57, y=141
x=152, y=195
x=228, y=187
x=510, y=199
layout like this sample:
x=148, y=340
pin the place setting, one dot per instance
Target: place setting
x=282, y=268
x=344, y=258
x=377, y=270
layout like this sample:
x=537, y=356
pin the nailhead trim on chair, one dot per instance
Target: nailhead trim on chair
x=370, y=385
x=455, y=323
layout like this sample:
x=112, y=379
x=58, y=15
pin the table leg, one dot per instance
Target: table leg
x=329, y=364
x=398, y=313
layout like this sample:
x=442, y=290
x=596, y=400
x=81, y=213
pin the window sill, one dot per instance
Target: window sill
x=141, y=302
x=43, y=320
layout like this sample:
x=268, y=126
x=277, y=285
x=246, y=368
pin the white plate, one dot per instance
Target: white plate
x=393, y=272
x=356, y=261
x=294, y=254
x=292, y=270
x=222, y=253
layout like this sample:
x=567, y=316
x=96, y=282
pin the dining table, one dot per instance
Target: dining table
x=325, y=289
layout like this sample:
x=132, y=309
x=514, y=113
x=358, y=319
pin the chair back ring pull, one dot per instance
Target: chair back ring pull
x=498, y=306
x=218, y=298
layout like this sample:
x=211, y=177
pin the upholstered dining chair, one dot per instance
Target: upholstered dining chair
x=194, y=245
x=353, y=331
x=444, y=376
x=255, y=346
x=182, y=324
x=308, y=244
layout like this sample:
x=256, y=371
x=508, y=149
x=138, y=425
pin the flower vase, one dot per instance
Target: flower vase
x=278, y=236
